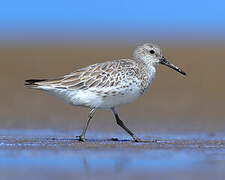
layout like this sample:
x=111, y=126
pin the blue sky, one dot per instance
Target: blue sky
x=93, y=18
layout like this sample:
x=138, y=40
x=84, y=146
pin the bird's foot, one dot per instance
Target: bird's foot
x=81, y=138
x=136, y=139
x=154, y=141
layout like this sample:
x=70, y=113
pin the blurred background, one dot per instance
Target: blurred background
x=45, y=39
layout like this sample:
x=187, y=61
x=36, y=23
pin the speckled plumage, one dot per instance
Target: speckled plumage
x=109, y=84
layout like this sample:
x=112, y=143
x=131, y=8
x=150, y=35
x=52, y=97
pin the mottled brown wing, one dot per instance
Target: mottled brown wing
x=100, y=75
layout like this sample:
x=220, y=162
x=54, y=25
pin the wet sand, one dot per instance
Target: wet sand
x=56, y=155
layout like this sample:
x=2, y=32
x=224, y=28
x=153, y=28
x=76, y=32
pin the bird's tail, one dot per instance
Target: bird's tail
x=43, y=83
x=34, y=83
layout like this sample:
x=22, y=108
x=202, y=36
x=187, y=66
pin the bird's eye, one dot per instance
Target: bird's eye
x=152, y=51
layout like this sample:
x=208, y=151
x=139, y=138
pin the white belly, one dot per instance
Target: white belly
x=88, y=98
x=117, y=100
x=101, y=101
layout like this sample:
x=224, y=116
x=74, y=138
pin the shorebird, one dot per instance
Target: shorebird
x=109, y=84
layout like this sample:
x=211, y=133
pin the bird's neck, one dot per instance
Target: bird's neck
x=149, y=75
x=151, y=69
x=150, y=65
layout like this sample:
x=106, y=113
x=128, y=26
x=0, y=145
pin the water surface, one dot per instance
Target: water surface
x=56, y=155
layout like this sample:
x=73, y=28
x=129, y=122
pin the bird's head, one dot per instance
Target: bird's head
x=151, y=54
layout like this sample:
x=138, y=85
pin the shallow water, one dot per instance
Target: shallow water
x=44, y=154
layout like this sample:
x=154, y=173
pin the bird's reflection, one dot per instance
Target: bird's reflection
x=116, y=164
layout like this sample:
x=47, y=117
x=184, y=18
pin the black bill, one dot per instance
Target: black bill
x=164, y=61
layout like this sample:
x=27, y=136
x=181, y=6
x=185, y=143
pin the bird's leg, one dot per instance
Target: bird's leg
x=90, y=115
x=121, y=124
